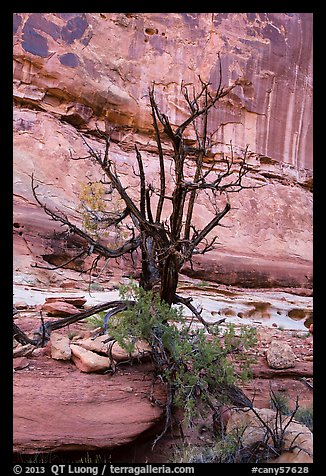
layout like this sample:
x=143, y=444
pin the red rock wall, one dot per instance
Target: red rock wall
x=75, y=70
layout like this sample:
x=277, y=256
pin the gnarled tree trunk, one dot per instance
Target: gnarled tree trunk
x=169, y=279
x=165, y=241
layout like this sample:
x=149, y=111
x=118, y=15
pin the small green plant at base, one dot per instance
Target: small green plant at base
x=96, y=320
x=96, y=287
x=229, y=448
x=198, y=371
x=226, y=449
x=193, y=454
x=280, y=402
x=203, y=284
x=72, y=334
x=305, y=416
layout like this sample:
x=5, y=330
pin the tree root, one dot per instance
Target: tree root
x=42, y=335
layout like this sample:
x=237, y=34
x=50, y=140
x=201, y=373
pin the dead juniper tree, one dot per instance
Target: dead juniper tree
x=166, y=241
x=159, y=224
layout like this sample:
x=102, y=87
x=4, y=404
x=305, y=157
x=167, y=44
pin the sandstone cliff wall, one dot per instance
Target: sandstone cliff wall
x=73, y=71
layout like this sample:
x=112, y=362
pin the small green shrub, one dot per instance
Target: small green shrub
x=280, y=402
x=197, y=370
x=96, y=320
x=96, y=287
x=72, y=334
x=305, y=416
x=203, y=284
x=227, y=449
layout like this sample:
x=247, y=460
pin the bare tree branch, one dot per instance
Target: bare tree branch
x=97, y=247
x=160, y=155
x=74, y=258
x=167, y=239
x=208, y=228
x=187, y=302
x=142, y=190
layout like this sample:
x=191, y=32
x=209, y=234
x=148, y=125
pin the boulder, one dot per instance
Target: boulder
x=67, y=410
x=59, y=309
x=261, y=369
x=298, y=439
x=142, y=349
x=60, y=347
x=21, y=305
x=23, y=350
x=20, y=363
x=42, y=350
x=77, y=301
x=96, y=344
x=279, y=355
x=88, y=361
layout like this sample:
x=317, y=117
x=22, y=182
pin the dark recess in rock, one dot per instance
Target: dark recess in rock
x=69, y=59
x=68, y=16
x=34, y=43
x=38, y=22
x=74, y=29
x=17, y=19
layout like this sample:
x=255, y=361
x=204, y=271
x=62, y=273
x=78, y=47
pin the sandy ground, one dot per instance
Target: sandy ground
x=268, y=308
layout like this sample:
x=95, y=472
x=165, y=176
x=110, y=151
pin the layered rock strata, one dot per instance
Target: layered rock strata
x=74, y=72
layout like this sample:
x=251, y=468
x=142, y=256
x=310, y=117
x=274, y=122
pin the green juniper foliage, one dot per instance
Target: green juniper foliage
x=193, y=365
x=96, y=320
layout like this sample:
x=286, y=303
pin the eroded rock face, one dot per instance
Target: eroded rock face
x=102, y=64
x=65, y=409
x=78, y=70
